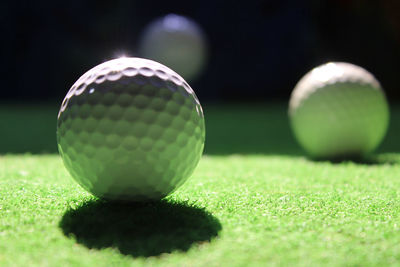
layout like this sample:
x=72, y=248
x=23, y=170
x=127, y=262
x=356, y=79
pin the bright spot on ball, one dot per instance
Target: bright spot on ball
x=177, y=42
x=130, y=129
x=327, y=72
x=338, y=110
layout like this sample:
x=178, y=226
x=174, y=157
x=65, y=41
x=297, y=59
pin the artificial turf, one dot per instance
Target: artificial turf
x=254, y=199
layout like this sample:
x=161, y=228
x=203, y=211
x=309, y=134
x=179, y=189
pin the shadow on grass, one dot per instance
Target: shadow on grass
x=374, y=159
x=139, y=229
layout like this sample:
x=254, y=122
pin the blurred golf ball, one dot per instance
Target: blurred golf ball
x=177, y=42
x=338, y=110
x=130, y=129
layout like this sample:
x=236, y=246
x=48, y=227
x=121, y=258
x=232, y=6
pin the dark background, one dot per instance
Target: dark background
x=258, y=49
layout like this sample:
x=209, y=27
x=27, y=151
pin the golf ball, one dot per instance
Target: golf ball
x=338, y=110
x=176, y=41
x=130, y=129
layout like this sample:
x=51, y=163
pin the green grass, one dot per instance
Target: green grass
x=253, y=200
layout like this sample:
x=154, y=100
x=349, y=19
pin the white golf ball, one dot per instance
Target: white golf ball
x=338, y=110
x=130, y=129
x=177, y=42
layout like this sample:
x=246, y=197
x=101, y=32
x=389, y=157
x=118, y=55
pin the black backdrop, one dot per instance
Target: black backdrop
x=258, y=49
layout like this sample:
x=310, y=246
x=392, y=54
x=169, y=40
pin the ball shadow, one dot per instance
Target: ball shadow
x=376, y=159
x=139, y=229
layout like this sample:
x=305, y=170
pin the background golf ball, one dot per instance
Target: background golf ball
x=130, y=129
x=337, y=110
x=176, y=41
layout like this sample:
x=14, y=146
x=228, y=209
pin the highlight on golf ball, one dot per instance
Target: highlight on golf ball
x=338, y=110
x=177, y=42
x=130, y=129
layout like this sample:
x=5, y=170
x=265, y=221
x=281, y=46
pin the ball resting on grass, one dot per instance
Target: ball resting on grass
x=130, y=129
x=338, y=110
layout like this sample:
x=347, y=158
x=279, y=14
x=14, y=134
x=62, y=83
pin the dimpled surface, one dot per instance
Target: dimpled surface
x=338, y=109
x=130, y=129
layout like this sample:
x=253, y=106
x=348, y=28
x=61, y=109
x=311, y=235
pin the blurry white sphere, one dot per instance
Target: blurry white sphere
x=177, y=42
x=338, y=110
